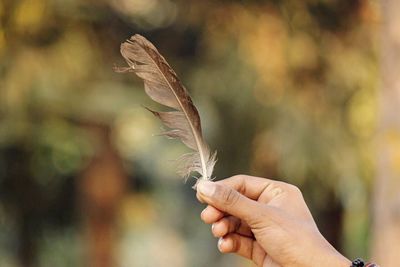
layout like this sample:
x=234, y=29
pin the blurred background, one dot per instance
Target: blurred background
x=289, y=90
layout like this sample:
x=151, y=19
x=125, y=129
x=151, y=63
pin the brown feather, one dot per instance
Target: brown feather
x=163, y=86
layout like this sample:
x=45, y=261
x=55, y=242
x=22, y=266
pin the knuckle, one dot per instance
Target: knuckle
x=228, y=196
x=240, y=182
x=236, y=244
x=238, y=177
x=294, y=190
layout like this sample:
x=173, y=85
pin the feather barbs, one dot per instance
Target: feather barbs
x=163, y=86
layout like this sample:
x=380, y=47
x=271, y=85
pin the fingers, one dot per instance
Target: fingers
x=250, y=186
x=230, y=224
x=243, y=246
x=228, y=200
x=211, y=215
x=224, y=225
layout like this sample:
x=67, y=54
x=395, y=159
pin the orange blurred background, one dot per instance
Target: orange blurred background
x=286, y=90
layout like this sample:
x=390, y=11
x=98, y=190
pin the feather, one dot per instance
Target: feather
x=163, y=86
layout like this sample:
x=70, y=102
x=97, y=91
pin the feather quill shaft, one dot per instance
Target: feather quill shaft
x=163, y=86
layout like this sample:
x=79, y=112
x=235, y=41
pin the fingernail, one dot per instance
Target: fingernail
x=212, y=227
x=206, y=188
x=201, y=214
x=220, y=241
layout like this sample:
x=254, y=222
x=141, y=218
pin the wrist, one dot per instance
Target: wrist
x=330, y=257
x=337, y=260
x=344, y=262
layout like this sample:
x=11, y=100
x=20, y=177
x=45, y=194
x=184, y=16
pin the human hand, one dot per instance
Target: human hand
x=265, y=221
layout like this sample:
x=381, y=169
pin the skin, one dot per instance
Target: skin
x=265, y=221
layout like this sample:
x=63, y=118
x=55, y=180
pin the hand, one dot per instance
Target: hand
x=265, y=221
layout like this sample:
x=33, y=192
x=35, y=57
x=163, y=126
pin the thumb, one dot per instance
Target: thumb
x=228, y=200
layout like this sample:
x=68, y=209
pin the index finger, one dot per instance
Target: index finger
x=250, y=186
